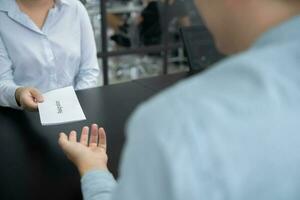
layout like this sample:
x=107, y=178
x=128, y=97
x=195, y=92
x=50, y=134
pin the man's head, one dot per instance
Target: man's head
x=236, y=24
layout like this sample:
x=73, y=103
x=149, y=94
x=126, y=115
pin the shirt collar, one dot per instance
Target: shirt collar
x=7, y=5
x=62, y=2
x=286, y=31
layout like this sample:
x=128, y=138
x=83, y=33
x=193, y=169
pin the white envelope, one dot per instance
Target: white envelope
x=60, y=106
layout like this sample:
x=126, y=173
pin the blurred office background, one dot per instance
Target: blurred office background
x=141, y=37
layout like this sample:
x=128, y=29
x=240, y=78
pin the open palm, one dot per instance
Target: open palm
x=90, y=152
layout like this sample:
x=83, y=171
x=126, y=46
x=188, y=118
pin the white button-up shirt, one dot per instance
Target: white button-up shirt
x=62, y=53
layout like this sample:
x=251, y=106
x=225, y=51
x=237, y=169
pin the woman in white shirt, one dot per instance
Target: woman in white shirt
x=44, y=45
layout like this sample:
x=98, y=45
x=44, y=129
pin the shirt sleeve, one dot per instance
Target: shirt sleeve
x=7, y=85
x=97, y=185
x=89, y=68
x=143, y=174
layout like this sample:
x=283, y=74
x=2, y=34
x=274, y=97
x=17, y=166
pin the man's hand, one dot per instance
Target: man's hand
x=28, y=98
x=86, y=155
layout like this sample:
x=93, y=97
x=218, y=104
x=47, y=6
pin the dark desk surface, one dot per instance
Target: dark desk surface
x=32, y=164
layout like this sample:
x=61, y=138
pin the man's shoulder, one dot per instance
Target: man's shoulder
x=178, y=102
x=231, y=73
x=236, y=83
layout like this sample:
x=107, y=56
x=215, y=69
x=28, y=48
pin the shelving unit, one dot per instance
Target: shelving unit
x=98, y=13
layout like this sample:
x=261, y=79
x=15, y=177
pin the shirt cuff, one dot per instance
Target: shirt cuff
x=8, y=99
x=13, y=101
x=97, y=184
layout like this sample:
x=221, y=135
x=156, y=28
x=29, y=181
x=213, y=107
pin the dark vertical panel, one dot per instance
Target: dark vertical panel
x=104, y=41
x=165, y=29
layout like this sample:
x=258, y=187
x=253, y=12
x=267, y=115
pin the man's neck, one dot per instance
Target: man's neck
x=260, y=22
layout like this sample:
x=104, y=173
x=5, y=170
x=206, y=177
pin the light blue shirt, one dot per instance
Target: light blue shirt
x=230, y=133
x=62, y=53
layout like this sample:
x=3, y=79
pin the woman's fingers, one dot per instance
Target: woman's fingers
x=28, y=103
x=94, y=135
x=102, y=139
x=29, y=98
x=84, y=136
x=36, y=94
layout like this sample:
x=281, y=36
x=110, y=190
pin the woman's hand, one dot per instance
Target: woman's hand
x=28, y=98
x=86, y=155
